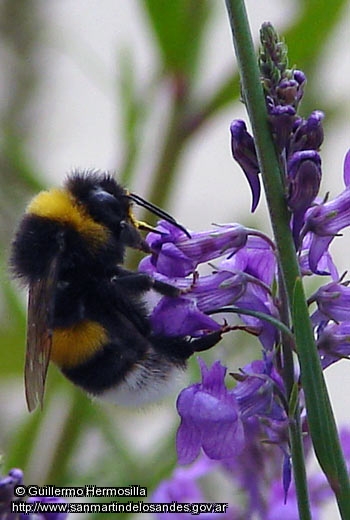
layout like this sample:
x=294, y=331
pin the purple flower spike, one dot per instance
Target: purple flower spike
x=243, y=151
x=209, y=418
x=304, y=178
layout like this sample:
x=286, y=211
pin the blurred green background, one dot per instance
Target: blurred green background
x=146, y=88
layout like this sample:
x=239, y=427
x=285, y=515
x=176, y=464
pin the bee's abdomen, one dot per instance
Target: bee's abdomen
x=103, y=370
x=74, y=345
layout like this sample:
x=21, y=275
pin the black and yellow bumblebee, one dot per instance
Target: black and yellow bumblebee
x=86, y=312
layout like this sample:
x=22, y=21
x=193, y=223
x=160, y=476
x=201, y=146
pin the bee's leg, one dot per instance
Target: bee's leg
x=141, y=282
x=166, y=289
x=205, y=342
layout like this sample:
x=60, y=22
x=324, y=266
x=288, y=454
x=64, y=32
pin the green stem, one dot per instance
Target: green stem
x=320, y=416
x=256, y=314
x=274, y=191
x=298, y=458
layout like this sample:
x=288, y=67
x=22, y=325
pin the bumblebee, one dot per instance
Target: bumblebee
x=86, y=312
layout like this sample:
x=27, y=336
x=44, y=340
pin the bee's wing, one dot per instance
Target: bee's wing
x=39, y=333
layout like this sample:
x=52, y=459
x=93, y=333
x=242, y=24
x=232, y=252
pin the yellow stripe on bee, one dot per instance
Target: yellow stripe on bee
x=74, y=345
x=59, y=205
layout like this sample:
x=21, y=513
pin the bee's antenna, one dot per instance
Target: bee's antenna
x=157, y=211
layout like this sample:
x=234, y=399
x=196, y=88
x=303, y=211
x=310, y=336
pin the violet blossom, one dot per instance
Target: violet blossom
x=333, y=300
x=174, y=254
x=324, y=221
x=210, y=418
x=243, y=151
x=245, y=270
x=218, y=420
x=184, y=487
x=333, y=343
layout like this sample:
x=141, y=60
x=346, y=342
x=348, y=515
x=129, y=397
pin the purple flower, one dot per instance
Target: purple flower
x=254, y=467
x=259, y=394
x=307, y=133
x=288, y=93
x=279, y=508
x=210, y=418
x=346, y=175
x=176, y=255
x=202, y=294
x=218, y=289
x=319, y=491
x=333, y=343
x=180, y=317
x=256, y=295
x=7, y=487
x=333, y=302
x=256, y=392
x=282, y=119
x=186, y=315
x=183, y=487
x=257, y=259
x=304, y=177
x=257, y=300
x=224, y=422
x=325, y=264
x=290, y=90
x=287, y=475
x=344, y=436
x=243, y=151
x=324, y=221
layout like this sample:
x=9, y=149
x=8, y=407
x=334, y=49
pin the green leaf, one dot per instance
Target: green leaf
x=179, y=28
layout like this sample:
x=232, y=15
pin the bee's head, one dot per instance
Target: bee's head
x=107, y=203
